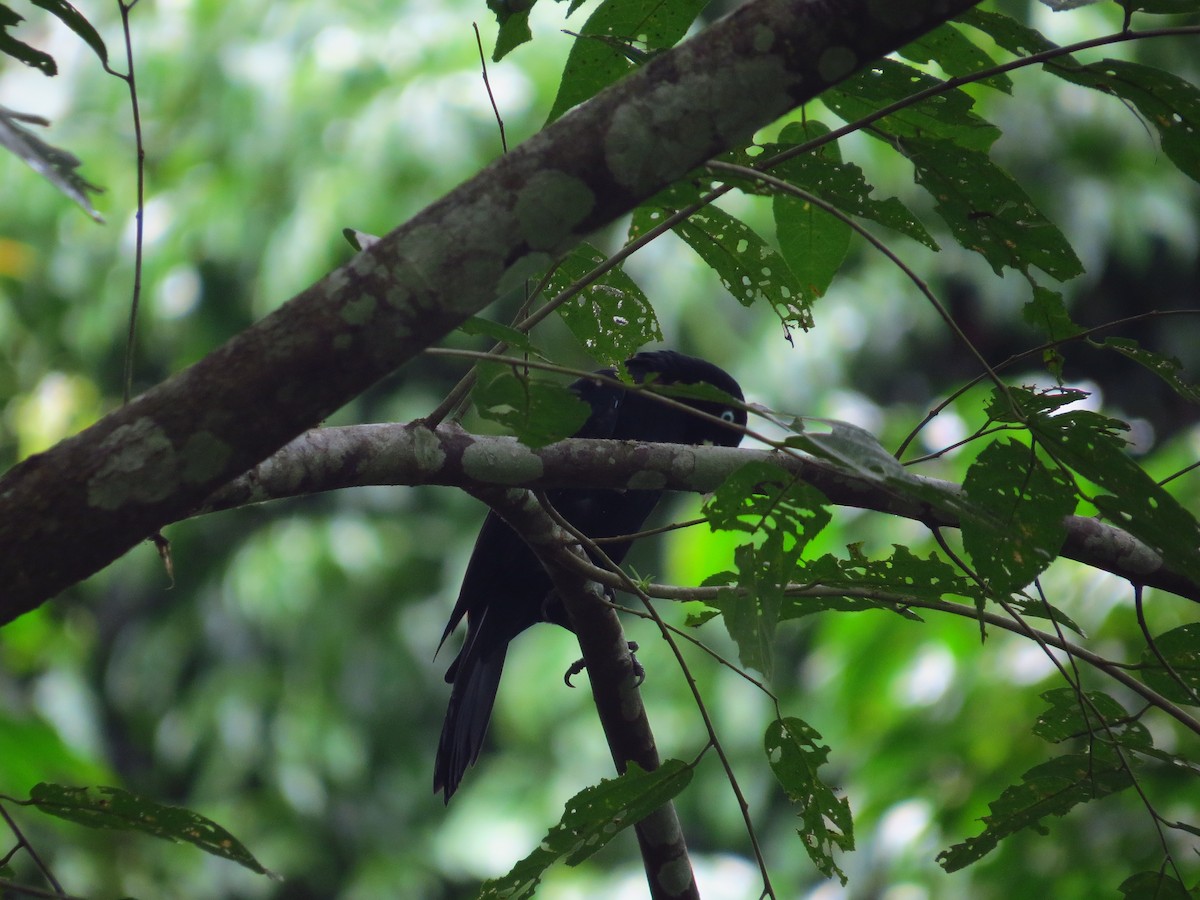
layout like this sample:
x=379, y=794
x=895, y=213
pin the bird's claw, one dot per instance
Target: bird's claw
x=639, y=671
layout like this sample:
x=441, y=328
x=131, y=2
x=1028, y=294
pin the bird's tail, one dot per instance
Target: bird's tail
x=476, y=680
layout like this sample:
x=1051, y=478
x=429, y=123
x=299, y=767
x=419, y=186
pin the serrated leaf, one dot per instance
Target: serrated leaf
x=1154, y=886
x=611, y=317
x=945, y=116
x=74, y=19
x=1052, y=788
x=1031, y=403
x=957, y=56
x=1028, y=503
x=795, y=754
x=590, y=820
x=594, y=64
x=1168, y=368
x=118, y=810
x=1101, y=718
x=1167, y=102
x=902, y=573
x=1180, y=647
x=537, y=411
x=782, y=514
x=1088, y=443
x=987, y=211
x=749, y=268
x=54, y=164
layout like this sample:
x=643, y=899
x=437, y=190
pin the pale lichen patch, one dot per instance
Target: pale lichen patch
x=507, y=463
x=427, y=450
x=550, y=205
x=139, y=465
x=359, y=310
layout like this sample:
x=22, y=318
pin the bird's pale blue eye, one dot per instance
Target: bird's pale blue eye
x=727, y=415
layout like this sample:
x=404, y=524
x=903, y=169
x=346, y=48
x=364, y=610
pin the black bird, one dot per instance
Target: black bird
x=506, y=589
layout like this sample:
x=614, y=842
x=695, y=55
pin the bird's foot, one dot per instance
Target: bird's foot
x=639, y=671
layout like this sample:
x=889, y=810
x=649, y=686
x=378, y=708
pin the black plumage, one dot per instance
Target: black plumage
x=505, y=589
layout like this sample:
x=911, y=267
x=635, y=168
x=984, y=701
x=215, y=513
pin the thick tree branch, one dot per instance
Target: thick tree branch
x=361, y=455
x=68, y=512
x=613, y=680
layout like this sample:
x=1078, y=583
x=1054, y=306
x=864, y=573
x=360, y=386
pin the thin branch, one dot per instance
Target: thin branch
x=488, y=87
x=23, y=841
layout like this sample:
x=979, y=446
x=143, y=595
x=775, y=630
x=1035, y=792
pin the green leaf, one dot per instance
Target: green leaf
x=611, y=317
x=1052, y=788
x=1167, y=368
x=903, y=574
x=1088, y=443
x=1047, y=311
x=1031, y=403
x=594, y=64
x=590, y=820
x=1028, y=502
x=1008, y=33
x=537, y=411
x=514, y=26
x=502, y=334
x=957, y=55
x=73, y=19
x=56, y=165
x=946, y=116
x=857, y=452
x=782, y=514
x=19, y=50
x=1169, y=103
x=795, y=755
x=1180, y=647
x=1154, y=885
x=823, y=173
x=812, y=241
x=1101, y=718
x=987, y=211
x=749, y=268
x=118, y=810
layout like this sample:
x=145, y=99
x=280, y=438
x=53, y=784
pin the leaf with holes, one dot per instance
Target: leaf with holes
x=592, y=818
x=1097, y=716
x=796, y=755
x=956, y=54
x=537, y=411
x=611, y=316
x=1179, y=648
x=987, y=211
x=118, y=810
x=1027, y=502
x=945, y=116
x=782, y=515
x=748, y=266
x=1052, y=788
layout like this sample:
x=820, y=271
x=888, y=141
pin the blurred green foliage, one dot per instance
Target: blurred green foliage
x=282, y=683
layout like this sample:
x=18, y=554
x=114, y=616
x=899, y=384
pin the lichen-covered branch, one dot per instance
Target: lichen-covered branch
x=66, y=513
x=359, y=455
